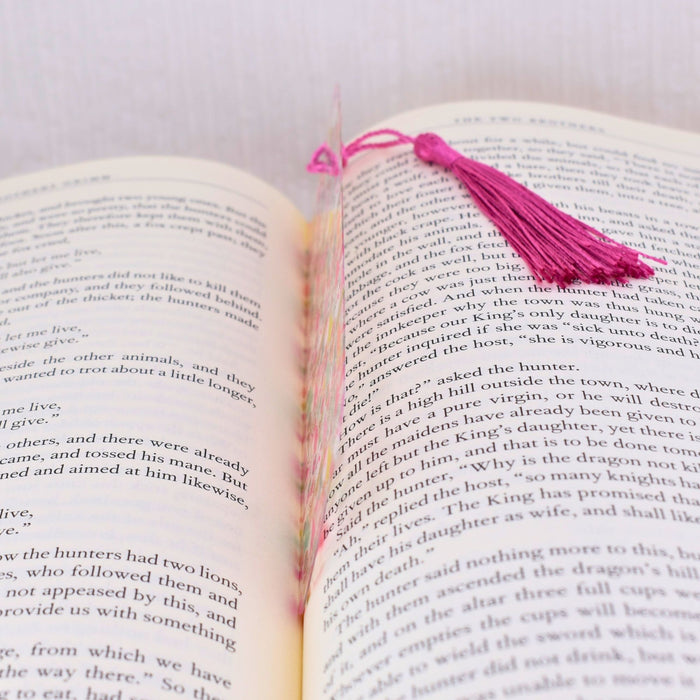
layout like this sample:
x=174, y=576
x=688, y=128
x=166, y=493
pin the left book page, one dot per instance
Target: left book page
x=149, y=387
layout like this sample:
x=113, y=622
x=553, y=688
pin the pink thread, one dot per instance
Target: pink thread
x=555, y=246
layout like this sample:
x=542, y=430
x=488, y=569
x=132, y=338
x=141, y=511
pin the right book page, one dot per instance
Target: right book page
x=517, y=509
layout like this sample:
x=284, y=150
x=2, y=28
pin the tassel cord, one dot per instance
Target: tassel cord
x=537, y=231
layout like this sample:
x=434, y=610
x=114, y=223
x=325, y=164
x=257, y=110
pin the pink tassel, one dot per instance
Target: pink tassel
x=555, y=246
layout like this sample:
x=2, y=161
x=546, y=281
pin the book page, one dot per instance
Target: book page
x=149, y=346
x=518, y=506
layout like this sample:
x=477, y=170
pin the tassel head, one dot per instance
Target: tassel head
x=430, y=148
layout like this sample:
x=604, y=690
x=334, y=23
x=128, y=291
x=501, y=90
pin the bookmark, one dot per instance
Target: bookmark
x=555, y=246
x=324, y=364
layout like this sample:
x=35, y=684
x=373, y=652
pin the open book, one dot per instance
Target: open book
x=516, y=505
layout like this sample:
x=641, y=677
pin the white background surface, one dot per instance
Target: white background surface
x=249, y=83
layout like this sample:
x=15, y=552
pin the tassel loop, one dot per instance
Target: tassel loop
x=324, y=161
